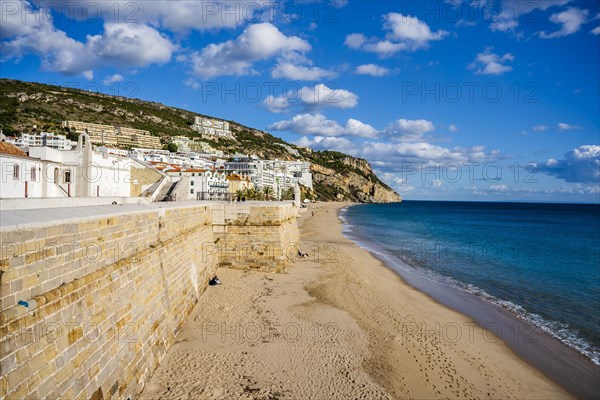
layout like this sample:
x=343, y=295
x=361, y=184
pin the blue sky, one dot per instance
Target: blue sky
x=456, y=100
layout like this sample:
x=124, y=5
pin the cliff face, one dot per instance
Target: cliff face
x=352, y=186
x=337, y=176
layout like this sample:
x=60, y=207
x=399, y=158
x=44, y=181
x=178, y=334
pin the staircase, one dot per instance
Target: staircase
x=165, y=191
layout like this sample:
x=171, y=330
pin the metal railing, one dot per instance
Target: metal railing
x=214, y=196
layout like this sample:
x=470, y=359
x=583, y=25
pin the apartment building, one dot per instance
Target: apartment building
x=131, y=137
x=99, y=134
x=45, y=139
x=212, y=127
x=111, y=136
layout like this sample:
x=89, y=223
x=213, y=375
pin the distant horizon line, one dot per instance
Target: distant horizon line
x=501, y=201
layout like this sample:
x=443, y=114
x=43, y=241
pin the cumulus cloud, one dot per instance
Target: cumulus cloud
x=276, y=104
x=355, y=40
x=453, y=128
x=176, y=16
x=505, y=15
x=300, y=72
x=403, y=33
x=581, y=164
x=109, y=80
x=236, y=57
x=372, y=69
x=571, y=21
x=540, y=128
x=120, y=45
x=311, y=98
x=321, y=95
x=595, y=31
x=407, y=130
x=325, y=143
x=410, y=30
x=393, y=157
x=488, y=63
x=318, y=124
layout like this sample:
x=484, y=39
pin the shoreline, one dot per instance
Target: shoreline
x=340, y=324
x=563, y=364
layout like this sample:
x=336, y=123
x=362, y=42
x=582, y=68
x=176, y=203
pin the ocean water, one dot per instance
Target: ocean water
x=539, y=261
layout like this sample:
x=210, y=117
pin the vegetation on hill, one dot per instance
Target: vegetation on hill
x=25, y=105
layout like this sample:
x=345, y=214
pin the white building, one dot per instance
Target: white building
x=81, y=172
x=202, y=184
x=21, y=174
x=150, y=155
x=278, y=175
x=182, y=142
x=45, y=139
x=114, y=151
x=212, y=127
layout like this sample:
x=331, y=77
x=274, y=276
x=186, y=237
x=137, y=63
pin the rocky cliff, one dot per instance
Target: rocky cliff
x=356, y=183
x=25, y=105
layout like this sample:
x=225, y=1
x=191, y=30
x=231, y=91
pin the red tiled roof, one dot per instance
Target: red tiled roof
x=8, y=148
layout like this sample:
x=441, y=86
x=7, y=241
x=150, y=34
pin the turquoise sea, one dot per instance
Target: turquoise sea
x=538, y=261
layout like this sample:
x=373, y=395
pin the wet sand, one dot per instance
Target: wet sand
x=340, y=324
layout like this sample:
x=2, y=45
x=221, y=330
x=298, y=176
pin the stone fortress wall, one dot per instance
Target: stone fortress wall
x=103, y=298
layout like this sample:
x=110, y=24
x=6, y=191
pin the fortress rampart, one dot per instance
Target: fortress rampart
x=90, y=306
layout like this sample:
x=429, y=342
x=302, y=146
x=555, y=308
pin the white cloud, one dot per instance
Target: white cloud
x=567, y=127
x=561, y=126
x=488, y=63
x=384, y=48
x=119, y=45
x=323, y=143
x=176, y=16
x=407, y=130
x=89, y=74
x=505, y=14
x=318, y=124
x=402, y=33
x=355, y=40
x=312, y=98
x=410, y=30
x=109, y=80
x=236, y=57
x=581, y=164
x=300, y=72
x=571, y=21
x=372, y=69
x=453, y=128
x=276, y=104
x=595, y=31
x=191, y=83
x=321, y=95
x=391, y=157
x=131, y=45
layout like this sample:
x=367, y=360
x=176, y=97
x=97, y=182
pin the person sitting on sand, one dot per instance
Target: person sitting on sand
x=214, y=281
x=301, y=254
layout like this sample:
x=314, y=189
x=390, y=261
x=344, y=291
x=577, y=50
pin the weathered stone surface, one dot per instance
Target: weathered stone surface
x=110, y=298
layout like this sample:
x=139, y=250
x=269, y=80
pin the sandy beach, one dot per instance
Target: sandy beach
x=339, y=324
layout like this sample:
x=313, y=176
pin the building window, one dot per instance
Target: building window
x=192, y=183
x=67, y=176
x=33, y=174
x=192, y=191
x=16, y=171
